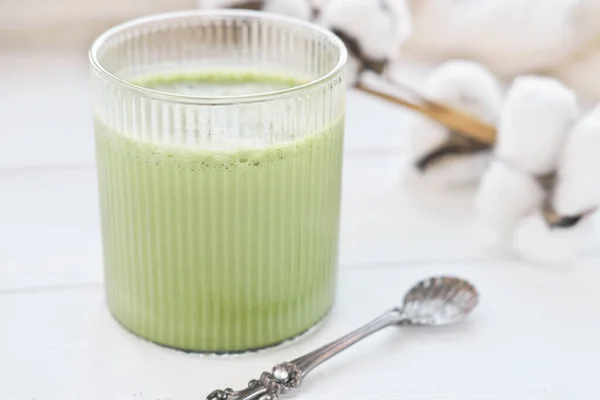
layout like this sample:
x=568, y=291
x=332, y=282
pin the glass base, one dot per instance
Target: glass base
x=281, y=344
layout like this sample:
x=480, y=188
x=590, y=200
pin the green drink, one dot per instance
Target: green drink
x=220, y=250
x=220, y=209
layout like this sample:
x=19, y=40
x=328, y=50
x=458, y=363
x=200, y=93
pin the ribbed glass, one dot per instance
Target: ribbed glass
x=220, y=212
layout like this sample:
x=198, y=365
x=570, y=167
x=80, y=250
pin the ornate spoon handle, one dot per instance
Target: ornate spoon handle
x=289, y=375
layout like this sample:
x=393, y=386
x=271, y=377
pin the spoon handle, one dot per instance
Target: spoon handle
x=289, y=375
x=310, y=361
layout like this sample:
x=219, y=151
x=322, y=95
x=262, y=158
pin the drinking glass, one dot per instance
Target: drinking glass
x=219, y=140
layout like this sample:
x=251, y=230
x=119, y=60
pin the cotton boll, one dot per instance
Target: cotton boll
x=464, y=85
x=505, y=196
x=469, y=86
x=537, y=115
x=451, y=173
x=424, y=135
x=378, y=27
x=293, y=8
x=578, y=188
x=535, y=241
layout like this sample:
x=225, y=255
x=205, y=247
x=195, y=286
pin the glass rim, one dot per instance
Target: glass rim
x=216, y=100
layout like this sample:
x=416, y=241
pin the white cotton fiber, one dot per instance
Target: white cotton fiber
x=380, y=27
x=424, y=136
x=505, y=196
x=293, y=8
x=534, y=123
x=578, y=188
x=537, y=115
x=467, y=86
x=535, y=241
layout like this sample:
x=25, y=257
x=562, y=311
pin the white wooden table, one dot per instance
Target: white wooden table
x=535, y=336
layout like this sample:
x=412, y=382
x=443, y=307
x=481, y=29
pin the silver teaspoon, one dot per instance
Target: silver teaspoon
x=432, y=302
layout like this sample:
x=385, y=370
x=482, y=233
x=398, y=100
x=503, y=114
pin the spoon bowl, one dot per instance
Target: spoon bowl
x=439, y=301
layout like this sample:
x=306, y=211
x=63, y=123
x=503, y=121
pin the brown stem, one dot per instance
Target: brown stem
x=456, y=120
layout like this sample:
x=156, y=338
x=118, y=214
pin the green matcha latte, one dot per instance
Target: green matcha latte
x=214, y=249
